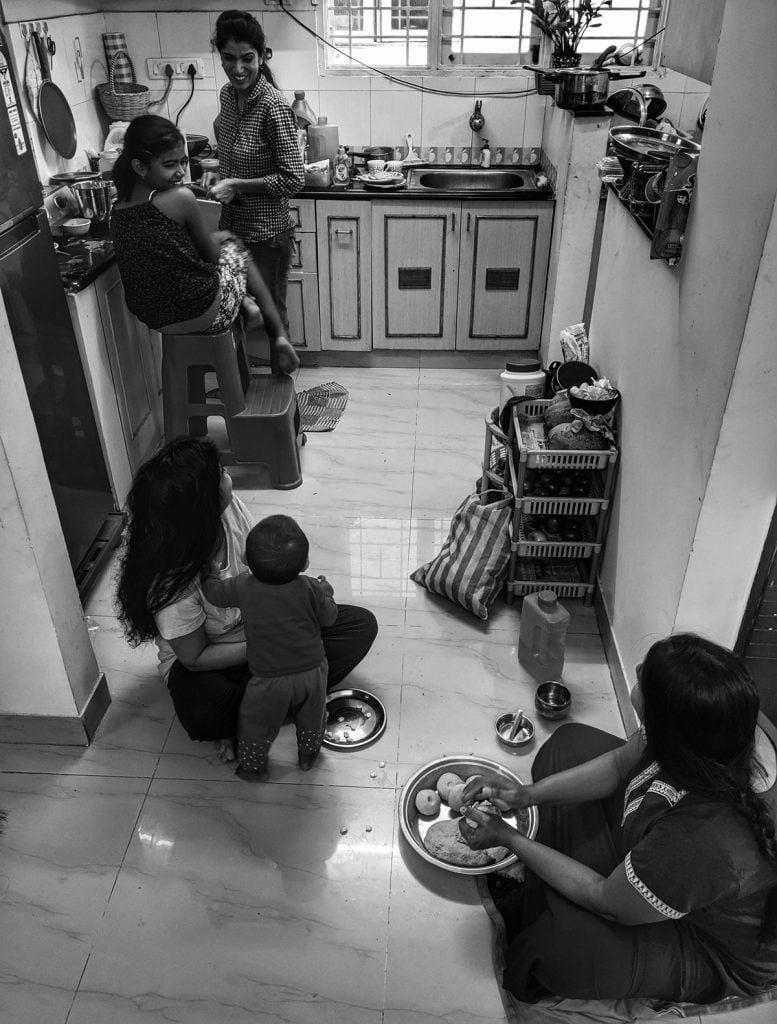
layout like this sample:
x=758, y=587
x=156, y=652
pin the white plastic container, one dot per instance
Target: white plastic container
x=210, y=171
x=543, y=635
x=522, y=376
x=323, y=142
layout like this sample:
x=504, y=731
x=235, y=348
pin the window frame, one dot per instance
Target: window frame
x=437, y=60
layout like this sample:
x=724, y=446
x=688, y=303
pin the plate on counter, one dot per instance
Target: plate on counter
x=385, y=178
x=415, y=825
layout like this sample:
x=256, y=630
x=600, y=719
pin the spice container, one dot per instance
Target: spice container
x=210, y=172
x=543, y=634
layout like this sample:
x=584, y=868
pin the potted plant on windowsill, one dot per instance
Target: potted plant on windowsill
x=564, y=23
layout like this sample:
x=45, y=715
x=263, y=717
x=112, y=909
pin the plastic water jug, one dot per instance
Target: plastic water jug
x=322, y=142
x=543, y=635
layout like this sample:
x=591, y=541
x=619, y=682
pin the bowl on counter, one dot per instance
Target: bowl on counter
x=552, y=700
x=76, y=226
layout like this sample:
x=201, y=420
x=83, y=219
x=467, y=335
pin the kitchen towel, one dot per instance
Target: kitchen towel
x=114, y=42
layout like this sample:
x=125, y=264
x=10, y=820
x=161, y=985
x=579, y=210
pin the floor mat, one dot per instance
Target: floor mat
x=321, y=407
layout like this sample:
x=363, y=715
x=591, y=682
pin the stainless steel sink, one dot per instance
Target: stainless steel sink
x=467, y=179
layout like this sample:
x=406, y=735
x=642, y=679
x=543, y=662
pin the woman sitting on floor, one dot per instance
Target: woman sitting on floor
x=654, y=870
x=184, y=521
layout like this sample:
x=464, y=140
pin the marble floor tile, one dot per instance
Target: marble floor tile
x=292, y=925
x=144, y=883
x=63, y=846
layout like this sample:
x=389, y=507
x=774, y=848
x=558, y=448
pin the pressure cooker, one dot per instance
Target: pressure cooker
x=585, y=88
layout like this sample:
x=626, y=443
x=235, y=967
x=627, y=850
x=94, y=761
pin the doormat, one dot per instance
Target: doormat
x=321, y=407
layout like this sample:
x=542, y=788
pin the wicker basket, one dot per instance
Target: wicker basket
x=123, y=100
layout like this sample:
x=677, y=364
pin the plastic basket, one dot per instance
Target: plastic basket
x=553, y=547
x=123, y=100
x=497, y=457
x=563, y=503
x=565, y=577
x=528, y=432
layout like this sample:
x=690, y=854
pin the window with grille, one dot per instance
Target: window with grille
x=434, y=34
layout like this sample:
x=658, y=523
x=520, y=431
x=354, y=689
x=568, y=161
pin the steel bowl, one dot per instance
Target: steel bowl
x=552, y=700
x=504, y=729
x=594, y=406
x=415, y=825
x=76, y=226
x=649, y=144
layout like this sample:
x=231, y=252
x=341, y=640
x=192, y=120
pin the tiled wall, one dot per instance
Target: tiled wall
x=368, y=109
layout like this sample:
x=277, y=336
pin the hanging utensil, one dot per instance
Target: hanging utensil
x=599, y=62
x=54, y=113
x=624, y=51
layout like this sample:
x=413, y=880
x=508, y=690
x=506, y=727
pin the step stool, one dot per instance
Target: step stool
x=258, y=409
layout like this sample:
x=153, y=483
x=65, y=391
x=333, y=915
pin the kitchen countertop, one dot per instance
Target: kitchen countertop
x=531, y=192
x=82, y=259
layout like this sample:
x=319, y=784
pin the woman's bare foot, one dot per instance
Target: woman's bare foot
x=286, y=355
x=252, y=315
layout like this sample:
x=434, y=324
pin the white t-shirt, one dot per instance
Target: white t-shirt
x=192, y=609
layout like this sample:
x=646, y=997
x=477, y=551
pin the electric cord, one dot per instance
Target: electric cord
x=512, y=94
x=168, y=87
x=191, y=71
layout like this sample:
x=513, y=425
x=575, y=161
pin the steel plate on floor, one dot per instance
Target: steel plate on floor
x=355, y=718
x=415, y=825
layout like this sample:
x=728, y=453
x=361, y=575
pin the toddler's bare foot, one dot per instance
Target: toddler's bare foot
x=225, y=750
x=285, y=353
x=252, y=315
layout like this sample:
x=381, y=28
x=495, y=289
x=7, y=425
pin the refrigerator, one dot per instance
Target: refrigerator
x=47, y=349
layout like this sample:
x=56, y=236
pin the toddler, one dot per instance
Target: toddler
x=283, y=612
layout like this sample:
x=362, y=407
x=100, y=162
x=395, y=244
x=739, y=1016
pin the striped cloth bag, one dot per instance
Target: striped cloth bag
x=113, y=43
x=473, y=562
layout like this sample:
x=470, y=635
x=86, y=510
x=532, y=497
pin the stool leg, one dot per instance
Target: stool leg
x=197, y=425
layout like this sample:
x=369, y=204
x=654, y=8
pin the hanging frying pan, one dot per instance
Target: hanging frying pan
x=54, y=113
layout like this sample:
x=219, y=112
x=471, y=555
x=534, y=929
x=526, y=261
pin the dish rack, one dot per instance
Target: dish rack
x=581, y=486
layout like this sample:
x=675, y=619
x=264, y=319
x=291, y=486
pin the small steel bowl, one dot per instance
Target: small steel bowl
x=504, y=725
x=552, y=700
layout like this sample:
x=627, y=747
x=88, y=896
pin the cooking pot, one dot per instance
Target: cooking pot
x=374, y=153
x=584, y=88
x=93, y=198
x=640, y=103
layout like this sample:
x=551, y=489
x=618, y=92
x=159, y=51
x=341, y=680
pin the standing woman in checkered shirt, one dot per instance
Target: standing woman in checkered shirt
x=259, y=159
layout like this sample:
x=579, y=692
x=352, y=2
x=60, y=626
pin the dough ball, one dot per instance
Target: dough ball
x=427, y=802
x=445, y=782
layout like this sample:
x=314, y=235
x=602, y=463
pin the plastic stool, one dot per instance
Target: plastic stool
x=186, y=358
x=265, y=432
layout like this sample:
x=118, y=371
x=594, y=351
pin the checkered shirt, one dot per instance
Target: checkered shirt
x=260, y=142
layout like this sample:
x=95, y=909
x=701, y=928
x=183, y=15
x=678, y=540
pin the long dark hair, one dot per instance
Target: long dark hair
x=174, y=518
x=700, y=712
x=146, y=137
x=243, y=28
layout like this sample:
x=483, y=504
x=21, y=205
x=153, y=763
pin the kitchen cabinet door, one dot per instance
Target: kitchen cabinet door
x=302, y=295
x=135, y=356
x=503, y=271
x=344, y=271
x=415, y=274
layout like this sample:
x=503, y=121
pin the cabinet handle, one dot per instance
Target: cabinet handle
x=343, y=231
x=453, y=222
x=468, y=217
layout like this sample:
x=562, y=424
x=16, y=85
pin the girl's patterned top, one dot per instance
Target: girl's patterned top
x=260, y=142
x=165, y=279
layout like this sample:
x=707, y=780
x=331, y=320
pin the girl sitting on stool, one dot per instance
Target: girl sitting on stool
x=179, y=278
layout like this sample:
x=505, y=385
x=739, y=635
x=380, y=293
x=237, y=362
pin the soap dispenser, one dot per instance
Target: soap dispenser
x=485, y=155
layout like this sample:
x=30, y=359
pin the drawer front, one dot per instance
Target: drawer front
x=303, y=214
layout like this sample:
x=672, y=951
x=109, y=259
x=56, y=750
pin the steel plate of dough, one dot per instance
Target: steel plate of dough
x=414, y=825
x=355, y=718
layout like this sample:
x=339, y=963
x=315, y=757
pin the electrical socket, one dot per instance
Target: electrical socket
x=155, y=66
